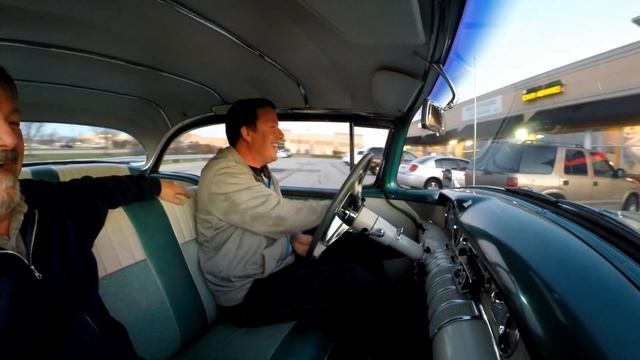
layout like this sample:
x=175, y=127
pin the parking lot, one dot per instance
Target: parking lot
x=294, y=171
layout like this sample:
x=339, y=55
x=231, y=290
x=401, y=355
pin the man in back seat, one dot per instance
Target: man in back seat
x=49, y=302
x=248, y=235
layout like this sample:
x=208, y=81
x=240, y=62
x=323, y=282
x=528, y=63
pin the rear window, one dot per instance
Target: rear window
x=462, y=164
x=45, y=141
x=424, y=160
x=538, y=159
x=446, y=164
x=518, y=158
x=407, y=156
x=506, y=158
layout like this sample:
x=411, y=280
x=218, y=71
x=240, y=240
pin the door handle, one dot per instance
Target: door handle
x=565, y=182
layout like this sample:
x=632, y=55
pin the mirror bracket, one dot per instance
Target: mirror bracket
x=432, y=114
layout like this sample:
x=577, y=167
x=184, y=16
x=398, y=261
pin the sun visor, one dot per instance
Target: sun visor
x=380, y=22
x=392, y=92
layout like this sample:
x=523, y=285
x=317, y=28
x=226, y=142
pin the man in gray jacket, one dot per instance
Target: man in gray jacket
x=246, y=229
x=253, y=252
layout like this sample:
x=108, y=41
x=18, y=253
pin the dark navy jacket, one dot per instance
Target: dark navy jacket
x=49, y=302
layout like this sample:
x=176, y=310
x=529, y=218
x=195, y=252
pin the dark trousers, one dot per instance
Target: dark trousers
x=345, y=290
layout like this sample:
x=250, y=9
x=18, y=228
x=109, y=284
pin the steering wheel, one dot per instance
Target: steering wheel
x=350, y=189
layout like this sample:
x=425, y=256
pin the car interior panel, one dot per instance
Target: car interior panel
x=517, y=220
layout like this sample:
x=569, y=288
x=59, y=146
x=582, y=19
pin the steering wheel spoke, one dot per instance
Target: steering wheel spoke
x=349, y=197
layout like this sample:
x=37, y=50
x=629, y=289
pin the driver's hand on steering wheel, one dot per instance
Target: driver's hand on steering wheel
x=300, y=243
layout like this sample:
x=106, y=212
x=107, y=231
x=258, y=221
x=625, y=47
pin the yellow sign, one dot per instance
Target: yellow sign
x=552, y=88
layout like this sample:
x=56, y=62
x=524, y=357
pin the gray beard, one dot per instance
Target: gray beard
x=9, y=193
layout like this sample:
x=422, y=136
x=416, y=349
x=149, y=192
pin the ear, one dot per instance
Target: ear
x=246, y=133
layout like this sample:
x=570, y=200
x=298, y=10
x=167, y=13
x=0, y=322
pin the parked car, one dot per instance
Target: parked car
x=506, y=273
x=376, y=162
x=426, y=172
x=359, y=153
x=284, y=153
x=560, y=171
x=67, y=144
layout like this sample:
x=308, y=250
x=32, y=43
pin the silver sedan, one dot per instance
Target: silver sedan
x=426, y=172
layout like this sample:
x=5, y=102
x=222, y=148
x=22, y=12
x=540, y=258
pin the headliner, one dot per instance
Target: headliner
x=146, y=66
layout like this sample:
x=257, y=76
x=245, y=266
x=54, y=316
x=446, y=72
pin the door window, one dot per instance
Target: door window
x=601, y=166
x=312, y=154
x=575, y=163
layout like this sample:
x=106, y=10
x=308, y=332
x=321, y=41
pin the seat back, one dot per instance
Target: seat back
x=147, y=261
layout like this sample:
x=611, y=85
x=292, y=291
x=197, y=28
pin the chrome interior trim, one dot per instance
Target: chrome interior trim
x=184, y=124
x=113, y=93
x=485, y=319
x=102, y=57
x=212, y=25
x=462, y=311
x=452, y=320
x=384, y=121
x=450, y=302
x=454, y=95
x=440, y=278
x=438, y=68
x=433, y=295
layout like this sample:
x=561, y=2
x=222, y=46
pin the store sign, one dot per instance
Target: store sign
x=483, y=108
x=552, y=88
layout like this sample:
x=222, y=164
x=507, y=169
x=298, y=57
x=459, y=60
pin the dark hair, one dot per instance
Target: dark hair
x=244, y=113
x=7, y=83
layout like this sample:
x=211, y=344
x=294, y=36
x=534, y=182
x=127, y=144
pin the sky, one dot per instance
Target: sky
x=523, y=38
x=551, y=32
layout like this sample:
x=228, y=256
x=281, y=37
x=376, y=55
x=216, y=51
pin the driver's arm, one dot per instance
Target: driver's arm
x=244, y=202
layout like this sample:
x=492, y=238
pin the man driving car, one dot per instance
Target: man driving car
x=253, y=252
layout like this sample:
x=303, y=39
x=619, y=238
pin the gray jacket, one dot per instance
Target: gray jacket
x=244, y=226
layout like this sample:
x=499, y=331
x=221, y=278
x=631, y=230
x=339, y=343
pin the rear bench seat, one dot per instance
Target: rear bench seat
x=151, y=282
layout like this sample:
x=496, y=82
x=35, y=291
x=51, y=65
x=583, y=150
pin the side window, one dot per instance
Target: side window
x=321, y=153
x=190, y=152
x=575, y=163
x=407, y=157
x=538, y=159
x=312, y=154
x=446, y=164
x=505, y=158
x=601, y=166
x=68, y=142
x=462, y=165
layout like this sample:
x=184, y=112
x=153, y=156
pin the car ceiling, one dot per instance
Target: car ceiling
x=144, y=67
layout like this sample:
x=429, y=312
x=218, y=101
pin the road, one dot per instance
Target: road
x=294, y=171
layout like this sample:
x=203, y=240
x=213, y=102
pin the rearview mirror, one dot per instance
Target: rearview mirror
x=432, y=117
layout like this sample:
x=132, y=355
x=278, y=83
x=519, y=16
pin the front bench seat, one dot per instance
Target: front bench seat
x=151, y=281
x=174, y=313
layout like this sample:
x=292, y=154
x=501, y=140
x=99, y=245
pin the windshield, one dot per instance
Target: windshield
x=549, y=100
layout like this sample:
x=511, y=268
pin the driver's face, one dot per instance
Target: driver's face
x=266, y=136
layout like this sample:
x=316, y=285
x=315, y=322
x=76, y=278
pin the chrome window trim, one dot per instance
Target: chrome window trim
x=192, y=14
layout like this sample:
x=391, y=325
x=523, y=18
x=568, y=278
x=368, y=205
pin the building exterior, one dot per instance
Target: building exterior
x=593, y=103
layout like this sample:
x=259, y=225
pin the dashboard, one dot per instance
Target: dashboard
x=464, y=302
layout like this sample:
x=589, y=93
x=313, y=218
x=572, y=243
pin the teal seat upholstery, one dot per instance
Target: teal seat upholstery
x=150, y=281
x=177, y=306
